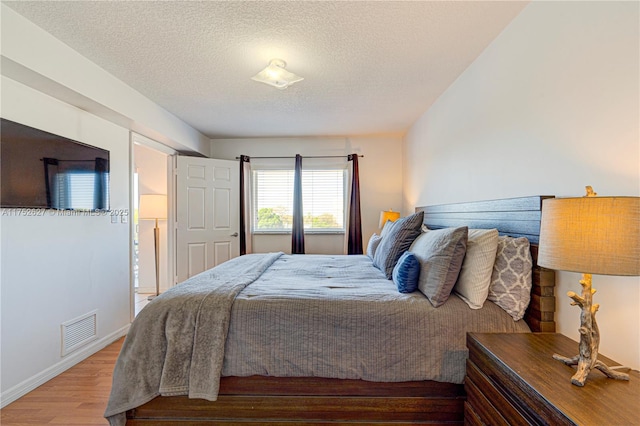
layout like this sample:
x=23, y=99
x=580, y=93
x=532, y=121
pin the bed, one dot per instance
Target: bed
x=261, y=389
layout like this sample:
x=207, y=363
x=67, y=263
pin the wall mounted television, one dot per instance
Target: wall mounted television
x=42, y=170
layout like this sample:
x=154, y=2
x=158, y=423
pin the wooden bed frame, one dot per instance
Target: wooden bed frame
x=311, y=400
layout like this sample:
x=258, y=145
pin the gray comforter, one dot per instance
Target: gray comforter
x=176, y=344
x=305, y=316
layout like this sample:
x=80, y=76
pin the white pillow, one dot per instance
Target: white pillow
x=373, y=244
x=475, y=276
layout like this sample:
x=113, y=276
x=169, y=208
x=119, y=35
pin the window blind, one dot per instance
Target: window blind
x=323, y=198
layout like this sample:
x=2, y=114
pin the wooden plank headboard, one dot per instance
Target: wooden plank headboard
x=516, y=217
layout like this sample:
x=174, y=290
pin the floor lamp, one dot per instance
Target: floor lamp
x=154, y=207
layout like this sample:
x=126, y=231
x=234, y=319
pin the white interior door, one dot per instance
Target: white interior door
x=207, y=214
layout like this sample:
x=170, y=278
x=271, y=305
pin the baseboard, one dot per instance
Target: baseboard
x=21, y=389
x=146, y=290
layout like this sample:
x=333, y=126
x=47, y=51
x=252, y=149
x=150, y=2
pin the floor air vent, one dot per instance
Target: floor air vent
x=79, y=331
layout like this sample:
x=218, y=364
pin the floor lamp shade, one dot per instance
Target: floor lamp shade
x=154, y=207
x=594, y=235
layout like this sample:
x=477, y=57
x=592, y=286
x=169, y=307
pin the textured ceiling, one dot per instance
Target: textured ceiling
x=368, y=67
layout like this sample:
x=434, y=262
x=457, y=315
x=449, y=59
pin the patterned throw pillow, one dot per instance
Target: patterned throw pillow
x=511, y=278
x=396, y=239
x=440, y=253
x=374, y=241
x=475, y=275
x=406, y=273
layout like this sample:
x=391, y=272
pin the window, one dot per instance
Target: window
x=323, y=200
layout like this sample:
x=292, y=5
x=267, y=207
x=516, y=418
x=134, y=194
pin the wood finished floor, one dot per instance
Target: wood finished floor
x=76, y=397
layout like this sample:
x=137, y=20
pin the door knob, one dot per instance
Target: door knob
x=235, y=234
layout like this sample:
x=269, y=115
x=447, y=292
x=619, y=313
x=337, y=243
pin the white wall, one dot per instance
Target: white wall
x=152, y=179
x=550, y=106
x=380, y=179
x=54, y=267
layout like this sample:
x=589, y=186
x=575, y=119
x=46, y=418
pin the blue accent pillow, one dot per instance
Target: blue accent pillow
x=396, y=239
x=406, y=273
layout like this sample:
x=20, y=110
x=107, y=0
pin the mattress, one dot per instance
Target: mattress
x=339, y=317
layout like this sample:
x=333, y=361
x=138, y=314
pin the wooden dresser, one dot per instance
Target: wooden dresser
x=513, y=380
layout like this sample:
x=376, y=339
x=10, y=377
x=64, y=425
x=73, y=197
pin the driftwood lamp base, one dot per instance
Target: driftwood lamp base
x=587, y=358
x=578, y=379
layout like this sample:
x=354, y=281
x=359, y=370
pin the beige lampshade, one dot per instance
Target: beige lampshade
x=591, y=235
x=152, y=206
x=388, y=215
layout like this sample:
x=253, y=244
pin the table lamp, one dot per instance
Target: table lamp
x=154, y=207
x=388, y=215
x=590, y=235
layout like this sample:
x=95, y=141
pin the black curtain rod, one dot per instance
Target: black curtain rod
x=308, y=156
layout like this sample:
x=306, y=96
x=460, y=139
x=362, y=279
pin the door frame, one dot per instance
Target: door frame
x=138, y=139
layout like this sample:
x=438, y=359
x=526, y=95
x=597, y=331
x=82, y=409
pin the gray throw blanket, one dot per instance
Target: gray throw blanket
x=176, y=344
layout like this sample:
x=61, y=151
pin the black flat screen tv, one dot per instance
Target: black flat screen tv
x=42, y=170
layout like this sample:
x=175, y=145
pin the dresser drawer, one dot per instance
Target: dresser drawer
x=471, y=418
x=513, y=379
x=490, y=400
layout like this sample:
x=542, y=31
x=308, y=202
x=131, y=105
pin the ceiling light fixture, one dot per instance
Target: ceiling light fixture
x=276, y=75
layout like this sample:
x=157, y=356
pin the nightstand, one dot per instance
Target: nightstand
x=512, y=380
